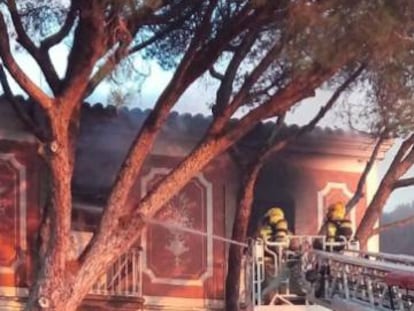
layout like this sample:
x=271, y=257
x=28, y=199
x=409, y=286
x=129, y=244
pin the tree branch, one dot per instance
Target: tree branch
x=57, y=37
x=20, y=111
x=405, y=182
x=298, y=89
x=408, y=159
x=358, y=194
x=280, y=122
x=404, y=149
x=22, y=36
x=17, y=73
x=144, y=140
x=137, y=19
x=166, y=31
x=215, y=74
x=90, y=44
x=394, y=224
x=401, y=163
x=226, y=87
x=41, y=56
x=214, y=144
x=226, y=113
x=111, y=62
x=274, y=145
x=128, y=223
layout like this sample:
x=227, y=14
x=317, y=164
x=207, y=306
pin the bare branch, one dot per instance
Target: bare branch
x=144, y=140
x=41, y=56
x=90, y=44
x=22, y=36
x=300, y=88
x=226, y=87
x=243, y=92
x=405, y=182
x=408, y=158
x=214, y=144
x=280, y=122
x=394, y=224
x=57, y=37
x=215, y=74
x=274, y=145
x=112, y=62
x=144, y=14
x=18, y=74
x=20, y=111
x=128, y=222
x=359, y=194
x=401, y=163
x=334, y=97
x=404, y=149
x=166, y=31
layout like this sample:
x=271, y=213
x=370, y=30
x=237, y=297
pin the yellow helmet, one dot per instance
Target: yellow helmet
x=281, y=225
x=336, y=211
x=265, y=232
x=275, y=214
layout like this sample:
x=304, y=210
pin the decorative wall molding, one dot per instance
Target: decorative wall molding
x=343, y=187
x=6, y=291
x=208, y=189
x=176, y=303
x=18, y=136
x=20, y=226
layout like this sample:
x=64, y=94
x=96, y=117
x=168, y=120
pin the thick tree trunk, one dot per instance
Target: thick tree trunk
x=373, y=212
x=52, y=287
x=240, y=225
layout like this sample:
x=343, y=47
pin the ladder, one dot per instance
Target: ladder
x=343, y=280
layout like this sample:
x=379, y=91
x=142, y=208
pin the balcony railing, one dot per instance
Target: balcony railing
x=123, y=278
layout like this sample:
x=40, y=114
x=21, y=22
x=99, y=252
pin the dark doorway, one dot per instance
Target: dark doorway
x=275, y=188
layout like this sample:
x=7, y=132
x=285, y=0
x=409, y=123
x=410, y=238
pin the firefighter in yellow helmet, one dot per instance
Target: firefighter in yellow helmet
x=336, y=212
x=266, y=232
x=274, y=215
x=337, y=227
x=274, y=226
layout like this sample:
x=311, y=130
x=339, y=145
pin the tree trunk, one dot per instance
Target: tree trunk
x=240, y=225
x=373, y=213
x=401, y=163
x=52, y=287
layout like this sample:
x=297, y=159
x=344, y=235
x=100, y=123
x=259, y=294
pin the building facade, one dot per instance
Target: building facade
x=169, y=268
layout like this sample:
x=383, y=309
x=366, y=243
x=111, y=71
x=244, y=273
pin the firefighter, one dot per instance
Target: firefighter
x=337, y=226
x=274, y=228
x=345, y=229
x=275, y=218
x=274, y=215
x=266, y=232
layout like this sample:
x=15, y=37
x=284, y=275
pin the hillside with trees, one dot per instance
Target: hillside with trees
x=399, y=239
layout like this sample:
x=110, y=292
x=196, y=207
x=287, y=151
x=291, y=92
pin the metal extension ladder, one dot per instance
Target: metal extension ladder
x=341, y=281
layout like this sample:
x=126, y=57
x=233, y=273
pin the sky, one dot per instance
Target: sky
x=197, y=99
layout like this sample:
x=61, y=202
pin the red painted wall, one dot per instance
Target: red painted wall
x=20, y=180
x=317, y=179
x=178, y=263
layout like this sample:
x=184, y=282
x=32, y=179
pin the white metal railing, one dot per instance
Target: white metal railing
x=356, y=279
x=359, y=280
x=384, y=257
x=279, y=255
x=123, y=278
